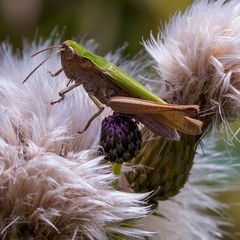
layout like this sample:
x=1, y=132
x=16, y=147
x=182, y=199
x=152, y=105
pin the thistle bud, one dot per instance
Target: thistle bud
x=120, y=138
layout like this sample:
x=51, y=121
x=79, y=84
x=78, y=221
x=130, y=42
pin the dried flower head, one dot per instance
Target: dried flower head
x=197, y=62
x=51, y=187
x=197, y=58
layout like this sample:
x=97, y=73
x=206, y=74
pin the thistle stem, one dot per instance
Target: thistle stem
x=117, y=168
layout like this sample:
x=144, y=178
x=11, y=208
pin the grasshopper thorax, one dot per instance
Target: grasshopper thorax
x=80, y=69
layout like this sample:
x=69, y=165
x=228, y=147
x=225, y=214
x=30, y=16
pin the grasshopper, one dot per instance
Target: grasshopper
x=107, y=84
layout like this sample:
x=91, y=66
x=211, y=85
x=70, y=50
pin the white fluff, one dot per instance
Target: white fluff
x=197, y=59
x=53, y=182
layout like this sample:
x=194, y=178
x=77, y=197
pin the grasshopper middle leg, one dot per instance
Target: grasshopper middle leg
x=56, y=73
x=100, y=110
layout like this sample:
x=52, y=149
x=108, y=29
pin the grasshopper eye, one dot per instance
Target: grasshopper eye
x=69, y=53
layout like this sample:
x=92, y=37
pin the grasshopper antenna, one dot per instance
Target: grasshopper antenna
x=45, y=49
x=41, y=63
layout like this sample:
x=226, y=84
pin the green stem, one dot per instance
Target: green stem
x=117, y=168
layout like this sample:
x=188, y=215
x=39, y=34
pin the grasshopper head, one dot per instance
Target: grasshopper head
x=75, y=66
x=76, y=48
x=67, y=51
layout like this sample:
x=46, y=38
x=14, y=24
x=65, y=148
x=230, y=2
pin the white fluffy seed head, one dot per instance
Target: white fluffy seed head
x=53, y=184
x=198, y=59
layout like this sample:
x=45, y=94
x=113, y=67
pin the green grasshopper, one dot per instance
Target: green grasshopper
x=107, y=84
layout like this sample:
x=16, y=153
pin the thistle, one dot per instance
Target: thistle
x=197, y=62
x=52, y=186
x=120, y=139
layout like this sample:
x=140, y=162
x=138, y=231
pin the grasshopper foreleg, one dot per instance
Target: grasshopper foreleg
x=64, y=91
x=100, y=110
x=56, y=73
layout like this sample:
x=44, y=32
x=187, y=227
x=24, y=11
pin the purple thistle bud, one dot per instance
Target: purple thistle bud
x=120, y=138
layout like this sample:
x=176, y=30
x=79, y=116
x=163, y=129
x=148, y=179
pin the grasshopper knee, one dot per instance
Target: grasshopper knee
x=61, y=94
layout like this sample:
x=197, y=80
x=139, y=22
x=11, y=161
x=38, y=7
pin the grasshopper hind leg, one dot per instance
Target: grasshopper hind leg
x=91, y=120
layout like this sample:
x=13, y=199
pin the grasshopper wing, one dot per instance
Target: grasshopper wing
x=157, y=127
x=137, y=106
x=183, y=124
x=171, y=116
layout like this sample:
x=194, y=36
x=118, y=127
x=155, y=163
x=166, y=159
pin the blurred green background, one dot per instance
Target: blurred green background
x=110, y=22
